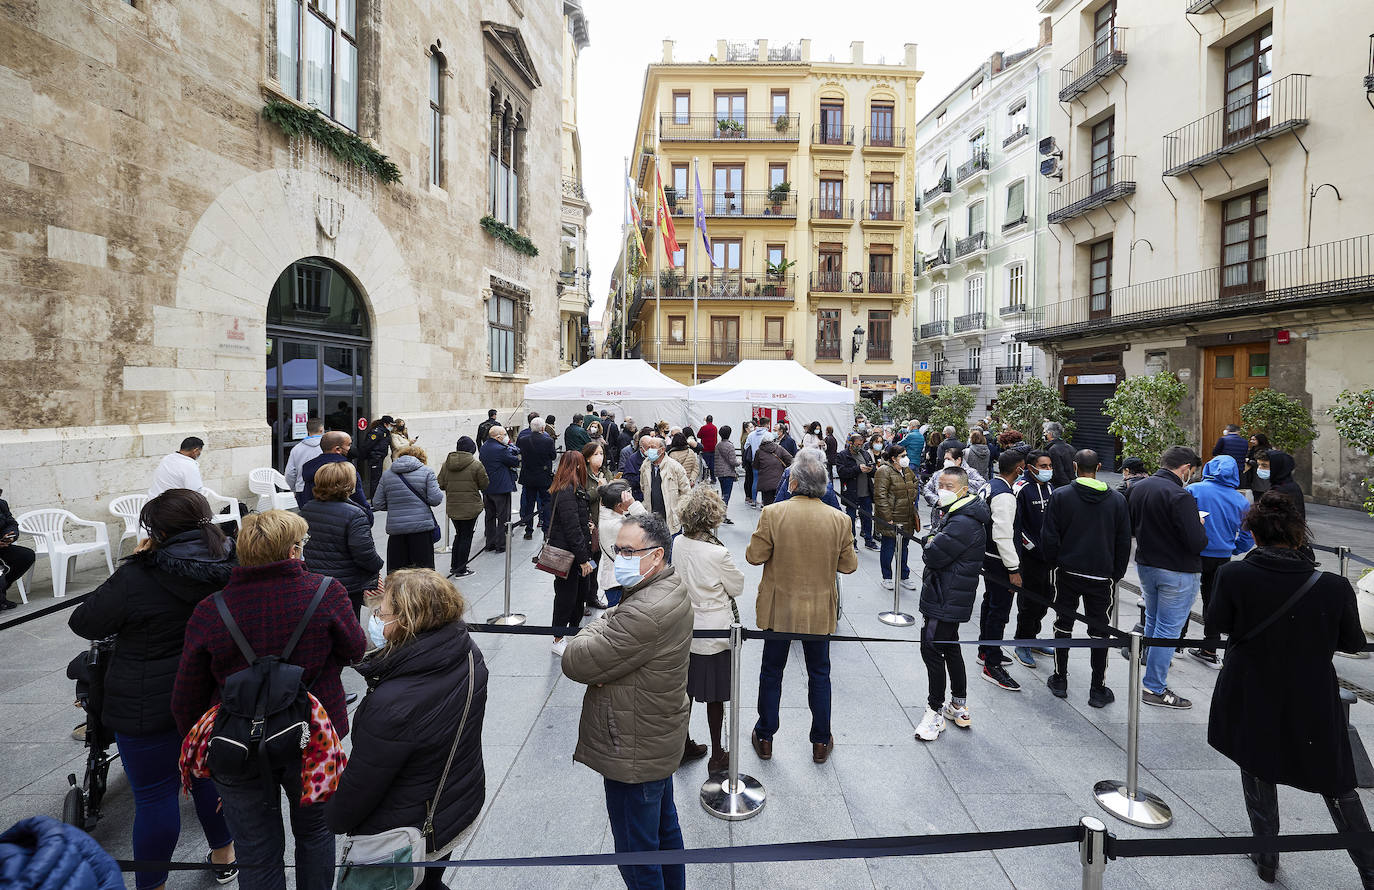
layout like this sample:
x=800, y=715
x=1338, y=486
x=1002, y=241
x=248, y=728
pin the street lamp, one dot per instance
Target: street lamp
x=858, y=343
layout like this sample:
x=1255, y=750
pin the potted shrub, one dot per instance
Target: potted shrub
x=777, y=279
x=729, y=128
x=777, y=195
x=782, y=124
x=669, y=282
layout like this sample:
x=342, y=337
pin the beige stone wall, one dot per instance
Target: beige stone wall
x=146, y=210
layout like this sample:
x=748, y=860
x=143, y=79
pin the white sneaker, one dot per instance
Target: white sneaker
x=931, y=726
x=959, y=715
x=559, y=646
x=910, y=584
x=887, y=583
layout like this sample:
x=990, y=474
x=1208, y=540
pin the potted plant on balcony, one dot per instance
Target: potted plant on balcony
x=668, y=283
x=670, y=196
x=777, y=278
x=729, y=128
x=777, y=196
x=782, y=124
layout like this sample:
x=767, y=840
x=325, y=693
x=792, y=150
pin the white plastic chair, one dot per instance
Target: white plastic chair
x=48, y=528
x=127, y=508
x=271, y=488
x=218, y=502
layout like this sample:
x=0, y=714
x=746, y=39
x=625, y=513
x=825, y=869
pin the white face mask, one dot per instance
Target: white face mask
x=946, y=497
x=904, y=462
x=951, y=463
x=376, y=631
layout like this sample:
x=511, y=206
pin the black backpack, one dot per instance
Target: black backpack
x=263, y=722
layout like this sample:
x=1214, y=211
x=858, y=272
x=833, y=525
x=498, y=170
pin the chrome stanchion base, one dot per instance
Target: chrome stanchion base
x=507, y=620
x=1146, y=811
x=897, y=619
x=733, y=802
x=1354, y=655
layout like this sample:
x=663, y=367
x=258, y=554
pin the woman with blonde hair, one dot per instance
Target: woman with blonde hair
x=426, y=700
x=340, y=542
x=713, y=581
x=409, y=492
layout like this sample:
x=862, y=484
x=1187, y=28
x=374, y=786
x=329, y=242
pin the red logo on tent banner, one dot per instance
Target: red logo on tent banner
x=362, y=423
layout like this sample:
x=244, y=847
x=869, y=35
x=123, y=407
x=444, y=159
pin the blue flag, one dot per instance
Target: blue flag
x=700, y=221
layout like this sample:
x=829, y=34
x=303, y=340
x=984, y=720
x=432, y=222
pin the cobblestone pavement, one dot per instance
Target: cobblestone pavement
x=1029, y=760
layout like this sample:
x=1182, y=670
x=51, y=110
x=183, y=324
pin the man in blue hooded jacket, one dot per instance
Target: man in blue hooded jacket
x=1216, y=495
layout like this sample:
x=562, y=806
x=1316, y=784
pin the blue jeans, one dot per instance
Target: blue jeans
x=530, y=497
x=1169, y=598
x=644, y=817
x=261, y=838
x=863, y=512
x=727, y=485
x=817, y=654
x=150, y=762
x=887, y=550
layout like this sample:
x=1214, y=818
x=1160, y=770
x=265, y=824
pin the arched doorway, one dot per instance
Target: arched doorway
x=318, y=353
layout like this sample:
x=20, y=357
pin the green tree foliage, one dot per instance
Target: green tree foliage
x=910, y=406
x=953, y=404
x=1144, y=415
x=1354, y=416
x=1026, y=407
x=1280, y=417
x=868, y=408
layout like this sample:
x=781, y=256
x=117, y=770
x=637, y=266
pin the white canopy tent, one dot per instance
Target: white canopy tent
x=625, y=387
x=756, y=383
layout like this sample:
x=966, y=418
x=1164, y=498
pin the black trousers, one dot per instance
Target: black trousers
x=410, y=551
x=1096, y=599
x=567, y=599
x=748, y=479
x=992, y=621
x=942, y=657
x=1030, y=612
x=1210, y=564
x=497, y=508
x=768, y=496
x=462, y=544
x=374, y=475
x=1262, y=805
x=18, y=560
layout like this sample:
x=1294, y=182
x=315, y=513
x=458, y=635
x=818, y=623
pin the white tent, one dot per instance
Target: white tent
x=755, y=383
x=625, y=387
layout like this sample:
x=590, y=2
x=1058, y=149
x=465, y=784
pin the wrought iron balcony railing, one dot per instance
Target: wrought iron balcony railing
x=936, y=260
x=943, y=187
x=842, y=283
x=882, y=211
x=970, y=376
x=827, y=349
x=838, y=135
x=1013, y=309
x=572, y=188
x=1270, y=111
x=709, y=127
x=1013, y=223
x=712, y=351
x=1196, y=6
x=1008, y=374
x=1323, y=274
x=976, y=164
x=746, y=204
x=974, y=321
x=831, y=208
x=720, y=285
x=885, y=283
x=1107, y=54
x=879, y=349
x=1023, y=130
x=827, y=282
x=884, y=137
x=934, y=329
x=1104, y=184
x=972, y=244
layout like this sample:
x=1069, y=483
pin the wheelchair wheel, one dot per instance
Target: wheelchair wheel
x=74, y=806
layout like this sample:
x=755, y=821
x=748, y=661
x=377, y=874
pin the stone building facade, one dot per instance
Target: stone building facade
x=173, y=264
x=575, y=340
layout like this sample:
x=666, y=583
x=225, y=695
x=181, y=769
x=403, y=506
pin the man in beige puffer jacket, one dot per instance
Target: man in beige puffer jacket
x=635, y=711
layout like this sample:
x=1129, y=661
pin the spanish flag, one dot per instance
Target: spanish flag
x=665, y=219
x=636, y=221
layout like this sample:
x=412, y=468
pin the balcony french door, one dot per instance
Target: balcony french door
x=728, y=199
x=1100, y=277
x=880, y=200
x=725, y=272
x=1249, y=78
x=1104, y=137
x=1244, y=239
x=832, y=198
x=880, y=123
x=830, y=271
x=832, y=123
x=828, y=333
x=880, y=273
x=725, y=339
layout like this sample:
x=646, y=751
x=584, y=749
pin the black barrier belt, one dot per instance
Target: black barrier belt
x=43, y=612
x=1342, y=551
x=797, y=851
x=1129, y=848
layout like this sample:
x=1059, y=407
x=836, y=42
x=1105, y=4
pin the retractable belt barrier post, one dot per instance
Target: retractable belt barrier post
x=733, y=797
x=447, y=545
x=1092, y=852
x=1127, y=801
x=897, y=618
x=507, y=617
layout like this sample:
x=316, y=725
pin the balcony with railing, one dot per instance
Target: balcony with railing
x=1107, y=182
x=973, y=321
x=934, y=329
x=712, y=351
x=572, y=188
x=1195, y=7
x=879, y=350
x=1010, y=310
x=970, y=376
x=1272, y=110
x=974, y=170
x=1017, y=134
x=832, y=210
x=698, y=127
x=884, y=137
x=742, y=204
x=856, y=283
x=1323, y=274
x=974, y=245
x=939, y=192
x=832, y=136
x=936, y=262
x=1106, y=55
x=882, y=211
x=827, y=349
x=721, y=285
x=1008, y=374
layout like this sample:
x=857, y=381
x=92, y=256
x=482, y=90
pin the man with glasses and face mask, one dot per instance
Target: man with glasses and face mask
x=633, y=660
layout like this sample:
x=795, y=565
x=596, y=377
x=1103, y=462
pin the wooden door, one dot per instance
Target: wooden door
x=1248, y=80
x=1231, y=375
x=725, y=339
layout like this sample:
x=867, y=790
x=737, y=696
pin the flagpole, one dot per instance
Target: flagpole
x=696, y=323
x=624, y=261
x=658, y=277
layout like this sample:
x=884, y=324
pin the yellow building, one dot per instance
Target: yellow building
x=806, y=168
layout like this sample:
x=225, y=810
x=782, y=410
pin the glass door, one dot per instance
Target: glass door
x=1248, y=79
x=308, y=379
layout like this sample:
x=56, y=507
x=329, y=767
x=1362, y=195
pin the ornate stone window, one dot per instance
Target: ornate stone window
x=317, y=55
x=508, y=309
x=512, y=79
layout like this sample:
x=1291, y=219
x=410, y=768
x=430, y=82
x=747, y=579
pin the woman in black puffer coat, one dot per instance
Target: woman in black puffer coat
x=402, y=732
x=570, y=528
x=340, y=544
x=145, y=605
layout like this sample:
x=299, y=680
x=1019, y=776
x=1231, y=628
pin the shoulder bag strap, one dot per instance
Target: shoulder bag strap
x=305, y=619
x=406, y=483
x=553, y=511
x=1280, y=612
x=232, y=626
x=428, y=829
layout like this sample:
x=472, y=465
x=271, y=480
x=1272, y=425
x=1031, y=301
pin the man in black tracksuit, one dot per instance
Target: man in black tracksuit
x=1001, y=566
x=1032, y=497
x=1061, y=454
x=1087, y=538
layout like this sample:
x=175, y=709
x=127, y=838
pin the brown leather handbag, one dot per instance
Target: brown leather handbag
x=554, y=560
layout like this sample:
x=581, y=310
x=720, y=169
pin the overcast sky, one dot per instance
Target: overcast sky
x=953, y=37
